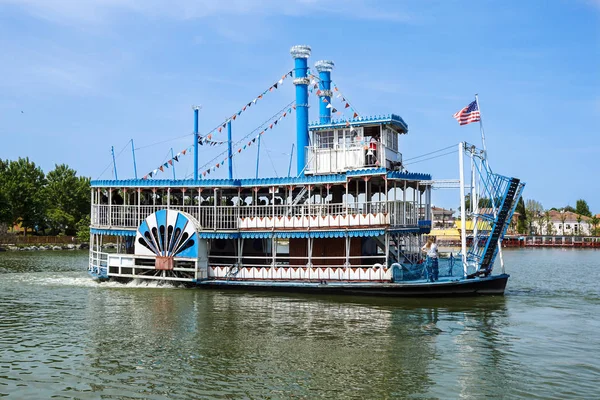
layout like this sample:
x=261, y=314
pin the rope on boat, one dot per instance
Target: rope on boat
x=431, y=158
x=432, y=152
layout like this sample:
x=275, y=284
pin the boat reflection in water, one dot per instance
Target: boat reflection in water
x=232, y=343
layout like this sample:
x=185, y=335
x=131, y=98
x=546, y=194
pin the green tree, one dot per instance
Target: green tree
x=563, y=218
x=581, y=207
x=24, y=188
x=594, y=222
x=70, y=199
x=5, y=206
x=522, y=221
x=569, y=208
x=534, y=210
x=83, y=229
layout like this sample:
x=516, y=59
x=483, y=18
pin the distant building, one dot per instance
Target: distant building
x=442, y=218
x=563, y=223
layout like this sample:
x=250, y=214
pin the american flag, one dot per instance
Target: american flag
x=468, y=114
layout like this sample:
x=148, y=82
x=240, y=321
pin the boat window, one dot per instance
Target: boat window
x=325, y=139
x=391, y=138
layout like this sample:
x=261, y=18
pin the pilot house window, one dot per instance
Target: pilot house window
x=325, y=139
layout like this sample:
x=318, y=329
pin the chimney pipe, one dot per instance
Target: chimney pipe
x=300, y=54
x=324, y=67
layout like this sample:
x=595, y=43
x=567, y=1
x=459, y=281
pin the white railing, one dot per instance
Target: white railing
x=219, y=218
x=343, y=158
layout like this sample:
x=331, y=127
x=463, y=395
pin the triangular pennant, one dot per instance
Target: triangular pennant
x=253, y=140
x=234, y=117
x=150, y=174
x=176, y=158
x=183, y=152
x=239, y=150
x=318, y=92
x=333, y=110
x=328, y=105
x=220, y=128
x=316, y=86
x=290, y=74
x=204, y=173
x=244, y=148
x=355, y=115
x=280, y=81
x=239, y=112
x=335, y=88
x=224, y=125
x=209, y=136
x=218, y=165
x=275, y=122
x=325, y=100
x=271, y=89
x=294, y=106
x=347, y=105
x=161, y=168
x=244, y=109
x=170, y=162
x=347, y=123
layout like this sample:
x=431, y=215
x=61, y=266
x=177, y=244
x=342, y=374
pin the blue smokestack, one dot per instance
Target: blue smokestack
x=324, y=67
x=301, y=54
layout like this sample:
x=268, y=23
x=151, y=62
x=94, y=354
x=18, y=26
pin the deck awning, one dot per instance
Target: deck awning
x=113, y=232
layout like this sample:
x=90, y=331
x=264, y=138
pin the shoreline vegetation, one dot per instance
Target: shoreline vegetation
x=39, y=204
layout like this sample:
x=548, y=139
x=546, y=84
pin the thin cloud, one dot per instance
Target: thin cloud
x=103, y=11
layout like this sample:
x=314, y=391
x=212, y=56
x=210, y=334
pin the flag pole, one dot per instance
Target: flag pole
x=481, y=126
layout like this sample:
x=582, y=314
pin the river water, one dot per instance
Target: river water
x=65, y=336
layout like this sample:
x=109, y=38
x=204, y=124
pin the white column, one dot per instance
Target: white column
x=463, y=233
x=404, y=204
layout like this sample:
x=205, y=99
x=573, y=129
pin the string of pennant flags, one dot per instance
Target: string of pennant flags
x=208, y=137
x=314, y=87
x=169, y=162
x=273, y=123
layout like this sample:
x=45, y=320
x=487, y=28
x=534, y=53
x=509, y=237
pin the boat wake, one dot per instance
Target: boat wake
x=76, y=279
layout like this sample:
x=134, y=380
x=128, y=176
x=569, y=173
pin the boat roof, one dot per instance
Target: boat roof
x=395, y=121
x=253, y=182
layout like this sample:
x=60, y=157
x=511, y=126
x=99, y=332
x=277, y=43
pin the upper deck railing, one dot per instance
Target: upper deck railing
x=341, y=158
x=251, y=217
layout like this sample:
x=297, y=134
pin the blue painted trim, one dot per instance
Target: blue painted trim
x=405, y=230
x=112, y=232
x=390, y=119
x=218, y=235
x=411, y=176
x=250, y=182
x=425, y=224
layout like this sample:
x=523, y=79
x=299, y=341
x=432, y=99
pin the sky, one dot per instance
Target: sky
x=77, y=77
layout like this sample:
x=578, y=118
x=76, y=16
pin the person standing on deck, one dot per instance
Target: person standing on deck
x=431, y=250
